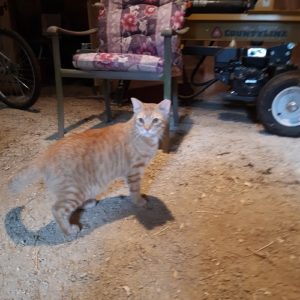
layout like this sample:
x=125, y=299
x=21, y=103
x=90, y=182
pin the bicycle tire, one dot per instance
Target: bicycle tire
x=19, y=71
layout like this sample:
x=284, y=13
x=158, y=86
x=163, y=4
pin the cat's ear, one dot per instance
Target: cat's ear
x=164, y=107
x=137, y=105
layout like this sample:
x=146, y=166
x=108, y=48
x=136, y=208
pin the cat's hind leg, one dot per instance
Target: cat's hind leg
x=90, y=203
x=62, y=211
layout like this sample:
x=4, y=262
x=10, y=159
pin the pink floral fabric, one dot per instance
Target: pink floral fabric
x=134, y=28
x=118, y=62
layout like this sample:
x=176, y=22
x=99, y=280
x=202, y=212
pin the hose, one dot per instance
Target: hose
x=205, y=85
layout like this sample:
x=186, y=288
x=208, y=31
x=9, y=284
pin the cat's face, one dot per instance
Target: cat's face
x=150, y=118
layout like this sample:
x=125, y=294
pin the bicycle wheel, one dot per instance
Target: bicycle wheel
x=19, y=71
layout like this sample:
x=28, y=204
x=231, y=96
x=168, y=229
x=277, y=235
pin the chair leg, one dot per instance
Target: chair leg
x=165, y=144
x=58, y=86
x=106, y=92
x=175, y=102
x=173, y=122
x=60, y=107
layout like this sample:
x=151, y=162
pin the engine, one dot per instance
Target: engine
x=246, y=70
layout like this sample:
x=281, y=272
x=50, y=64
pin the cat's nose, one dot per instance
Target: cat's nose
x=147, y=127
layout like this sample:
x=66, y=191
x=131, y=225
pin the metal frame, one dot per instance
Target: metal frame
x=169, y=81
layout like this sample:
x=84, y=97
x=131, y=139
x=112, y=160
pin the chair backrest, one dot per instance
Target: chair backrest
x=135, y=26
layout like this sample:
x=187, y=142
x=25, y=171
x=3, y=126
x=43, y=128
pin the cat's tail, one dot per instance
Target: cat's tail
x=26, y=176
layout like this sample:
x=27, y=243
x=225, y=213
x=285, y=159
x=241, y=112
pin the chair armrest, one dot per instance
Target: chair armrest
x=169, y=32
x=182, y=30
x=54, y=30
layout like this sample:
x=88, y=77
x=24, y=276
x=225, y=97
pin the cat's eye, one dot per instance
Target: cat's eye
x=155, y=120
x=141, y=120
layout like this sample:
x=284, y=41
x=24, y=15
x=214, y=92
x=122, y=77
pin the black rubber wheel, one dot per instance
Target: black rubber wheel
x=278, y=104
x=19, y=71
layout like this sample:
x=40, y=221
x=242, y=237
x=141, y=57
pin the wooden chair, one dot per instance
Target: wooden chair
x=138, y=40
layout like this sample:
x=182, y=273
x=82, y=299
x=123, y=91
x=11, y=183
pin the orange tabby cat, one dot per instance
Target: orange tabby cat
x=79, y=167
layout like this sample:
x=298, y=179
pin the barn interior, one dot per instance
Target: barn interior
x=223, y=188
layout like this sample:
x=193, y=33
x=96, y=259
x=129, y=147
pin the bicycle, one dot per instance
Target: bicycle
x=19, y=71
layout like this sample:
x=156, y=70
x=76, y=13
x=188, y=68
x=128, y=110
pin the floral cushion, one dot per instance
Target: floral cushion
x=118, y=62
x=130, y=31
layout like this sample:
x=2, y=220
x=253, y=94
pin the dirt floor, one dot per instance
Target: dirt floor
x=224, y=221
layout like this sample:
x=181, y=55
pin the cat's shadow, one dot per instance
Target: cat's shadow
x=106, y=211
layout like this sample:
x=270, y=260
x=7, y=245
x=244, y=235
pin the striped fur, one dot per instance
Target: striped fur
x=79, y=167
